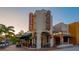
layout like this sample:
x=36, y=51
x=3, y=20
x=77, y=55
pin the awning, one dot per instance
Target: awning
x=64, y=36
x=46, y=33
x=26, y=36
x=67, y=37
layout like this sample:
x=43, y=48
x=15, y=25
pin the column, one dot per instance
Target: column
x=51, y=39
x=68, y=40
x=61, y=39
x=38, y=45
x=51, y=42
x=32, y=42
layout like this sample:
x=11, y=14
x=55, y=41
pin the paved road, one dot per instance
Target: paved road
x=13, y=48
x=75, y=48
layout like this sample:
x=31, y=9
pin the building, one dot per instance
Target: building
x=26, y=39
x=74, y=31
x=61, y=34
x=40, y=24
x=31, y=22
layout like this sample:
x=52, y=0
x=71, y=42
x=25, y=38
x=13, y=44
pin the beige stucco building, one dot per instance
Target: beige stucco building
x=61, y=34
x=40, y=24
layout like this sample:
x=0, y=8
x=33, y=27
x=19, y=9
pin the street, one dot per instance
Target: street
x=75, y=48
x=14, y=48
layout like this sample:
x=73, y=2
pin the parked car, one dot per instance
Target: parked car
x=4, y=44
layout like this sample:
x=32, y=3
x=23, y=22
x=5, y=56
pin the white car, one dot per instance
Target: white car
x=4, y=44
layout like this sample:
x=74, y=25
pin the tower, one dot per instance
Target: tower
x=41, y=24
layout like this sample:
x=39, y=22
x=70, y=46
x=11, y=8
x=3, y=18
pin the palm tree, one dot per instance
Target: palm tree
x=9, y=34
x=6, y=32
x=2, y=29
x=9, y=31
x=21, y=33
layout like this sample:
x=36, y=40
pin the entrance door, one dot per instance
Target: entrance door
x=65, y=40
x=57, y=41
x=45, y=37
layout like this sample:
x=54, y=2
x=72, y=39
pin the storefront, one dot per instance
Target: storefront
x=60, y=40
x=26, y=40
x=45, y=40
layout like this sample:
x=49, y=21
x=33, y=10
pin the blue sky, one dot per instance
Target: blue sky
x=65, y=14
x=19, y=17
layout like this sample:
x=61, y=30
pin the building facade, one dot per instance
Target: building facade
x=74, y=31
x=40, y=24
x=61, y=34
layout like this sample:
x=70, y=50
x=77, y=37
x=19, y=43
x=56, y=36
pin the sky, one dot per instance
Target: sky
x=19, y=16
x=65, y=14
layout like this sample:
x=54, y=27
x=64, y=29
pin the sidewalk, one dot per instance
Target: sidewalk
x=41, y=49
x=14, y=48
